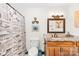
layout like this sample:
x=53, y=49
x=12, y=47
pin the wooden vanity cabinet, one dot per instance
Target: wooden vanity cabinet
x=61, y=48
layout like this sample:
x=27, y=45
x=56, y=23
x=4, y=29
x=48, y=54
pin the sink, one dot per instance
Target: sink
x=61, y=39
x=55, y=39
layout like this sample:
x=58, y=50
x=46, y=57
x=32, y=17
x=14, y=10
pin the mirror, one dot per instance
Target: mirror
x=56, y=24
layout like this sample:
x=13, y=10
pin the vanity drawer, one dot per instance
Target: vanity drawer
x=61, y=43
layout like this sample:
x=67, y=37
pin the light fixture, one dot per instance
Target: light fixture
x=56, y=13
x=35, y=21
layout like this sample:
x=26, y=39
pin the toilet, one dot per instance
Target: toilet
x=34, y=45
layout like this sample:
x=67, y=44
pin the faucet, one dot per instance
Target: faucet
x=55, y=35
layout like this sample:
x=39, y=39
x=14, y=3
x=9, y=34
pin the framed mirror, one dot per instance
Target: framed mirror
x=56, y=25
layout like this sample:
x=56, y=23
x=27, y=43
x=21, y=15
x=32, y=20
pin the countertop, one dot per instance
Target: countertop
x=75, y=38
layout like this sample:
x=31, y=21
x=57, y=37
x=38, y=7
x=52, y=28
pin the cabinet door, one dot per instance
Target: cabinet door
x=77, y=51
x=68, y=51
x=57, y=51
x=54, y=51
x=47, y=51
x=51, y=51
x=64, y=51
x=74, y=51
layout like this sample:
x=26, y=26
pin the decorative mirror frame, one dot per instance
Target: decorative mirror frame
x=63, y=29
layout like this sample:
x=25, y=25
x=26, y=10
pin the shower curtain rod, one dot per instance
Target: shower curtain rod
x=14, y=9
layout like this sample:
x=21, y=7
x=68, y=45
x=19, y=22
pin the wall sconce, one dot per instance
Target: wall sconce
x=35, y=21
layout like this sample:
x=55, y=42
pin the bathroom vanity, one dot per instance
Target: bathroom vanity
x=57, y=43
x=66, y=46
